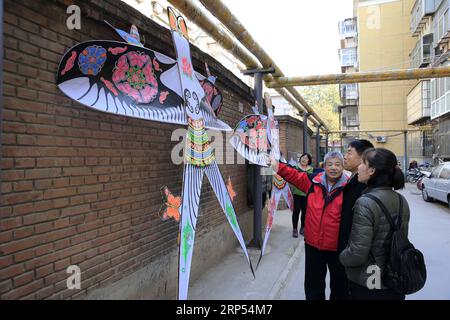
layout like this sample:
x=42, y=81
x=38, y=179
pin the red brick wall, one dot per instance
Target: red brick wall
x=80, y=186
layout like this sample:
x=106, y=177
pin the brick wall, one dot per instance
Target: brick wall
x=291, y=137
x=80, y=186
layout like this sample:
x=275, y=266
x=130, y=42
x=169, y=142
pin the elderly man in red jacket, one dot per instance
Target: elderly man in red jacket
x=323, y=217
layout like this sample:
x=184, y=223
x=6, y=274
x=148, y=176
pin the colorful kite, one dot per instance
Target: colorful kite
x=256, y=138
x=130, y=80
x=279, y=188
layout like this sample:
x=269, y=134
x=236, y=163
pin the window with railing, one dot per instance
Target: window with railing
x=349, y=91
x=440, y=97
x=348, y=57
x=421, y=9
x=441, y=22
x=420, y=143
x=347, y=28
x=350, y=117
x=421, y=54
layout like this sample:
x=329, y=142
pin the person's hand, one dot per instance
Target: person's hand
x=274, y=163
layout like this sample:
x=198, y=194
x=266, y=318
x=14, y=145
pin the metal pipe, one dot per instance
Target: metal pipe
x=374, y=130
x=224, y=15
x=305, y=132
x=317, y=146
x=257, y=203
x=359, y=77
x=1, y=75
x=405, y=139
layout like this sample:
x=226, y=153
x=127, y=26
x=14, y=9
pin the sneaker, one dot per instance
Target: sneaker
x=295, y=233
x=302, y=231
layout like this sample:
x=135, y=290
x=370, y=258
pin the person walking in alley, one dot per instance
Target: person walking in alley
x=370, y=227
x=323, y=215
x=303, y=165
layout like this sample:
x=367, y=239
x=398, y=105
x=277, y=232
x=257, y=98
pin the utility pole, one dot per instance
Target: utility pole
x=257, y=179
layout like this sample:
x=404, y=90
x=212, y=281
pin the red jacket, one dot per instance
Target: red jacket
x=323, y=212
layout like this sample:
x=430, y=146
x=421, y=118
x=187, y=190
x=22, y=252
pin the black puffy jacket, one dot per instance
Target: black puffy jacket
x=368, y=234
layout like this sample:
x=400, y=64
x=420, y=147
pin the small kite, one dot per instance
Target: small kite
x=230, y=189
x=171, y=205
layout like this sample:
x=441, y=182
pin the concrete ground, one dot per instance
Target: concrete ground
x=281, y=272
x=232, y=279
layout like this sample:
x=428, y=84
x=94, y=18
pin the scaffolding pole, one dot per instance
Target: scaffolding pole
x=360, y=77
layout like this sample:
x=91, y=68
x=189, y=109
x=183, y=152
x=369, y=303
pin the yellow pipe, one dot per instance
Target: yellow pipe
x=374, y=130
x=359, y=77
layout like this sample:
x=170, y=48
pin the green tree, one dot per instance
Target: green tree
x=324, y=100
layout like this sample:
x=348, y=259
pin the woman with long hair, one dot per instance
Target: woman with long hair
x=365, y=253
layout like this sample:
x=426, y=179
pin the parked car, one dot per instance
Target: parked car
x=437, y=185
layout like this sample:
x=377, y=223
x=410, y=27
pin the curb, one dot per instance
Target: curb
x=280, y=283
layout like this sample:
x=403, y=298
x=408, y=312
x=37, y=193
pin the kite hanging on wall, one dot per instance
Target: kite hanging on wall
x=127, y=79
x=256, y=138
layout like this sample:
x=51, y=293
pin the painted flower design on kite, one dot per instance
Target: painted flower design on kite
x=187, y=68
x=134, y=76
x=91, y=60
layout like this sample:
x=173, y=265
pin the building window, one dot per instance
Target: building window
x=348, y=57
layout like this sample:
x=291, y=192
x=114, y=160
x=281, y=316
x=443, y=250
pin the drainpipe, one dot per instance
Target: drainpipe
x=405, y=140
x=257, y=178
x=317, y=146
x=305, y=132
x=1, y=76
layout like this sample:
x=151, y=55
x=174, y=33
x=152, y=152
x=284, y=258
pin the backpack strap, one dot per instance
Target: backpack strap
x=394, y=225
x=383, y=208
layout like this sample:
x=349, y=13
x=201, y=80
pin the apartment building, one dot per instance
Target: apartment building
x=349, y=93
x=429, y=101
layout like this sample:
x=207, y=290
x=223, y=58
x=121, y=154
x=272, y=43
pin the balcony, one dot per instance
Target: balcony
x=348, y=28
x=421, y=56
x=418, y=102
x=440, y=97
x=349, y=93
x=419, y=14
x=348, y=57
x=441, y=24
x=349, y=117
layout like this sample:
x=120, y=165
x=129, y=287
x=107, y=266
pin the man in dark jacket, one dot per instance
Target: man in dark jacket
x=352, y=191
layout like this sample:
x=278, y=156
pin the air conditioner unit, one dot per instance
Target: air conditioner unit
x=381, y=139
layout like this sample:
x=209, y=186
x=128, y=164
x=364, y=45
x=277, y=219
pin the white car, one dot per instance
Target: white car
x=437, y=185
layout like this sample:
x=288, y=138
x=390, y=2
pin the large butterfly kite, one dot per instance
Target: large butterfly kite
x=127, y=79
